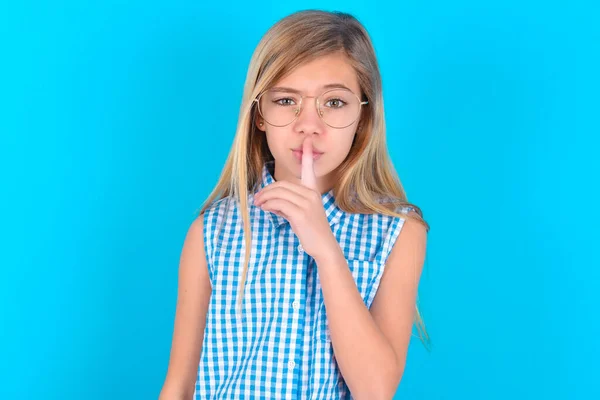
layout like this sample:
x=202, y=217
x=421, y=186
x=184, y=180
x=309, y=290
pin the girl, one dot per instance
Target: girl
x=321, y=305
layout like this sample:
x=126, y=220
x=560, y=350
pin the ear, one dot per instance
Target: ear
x=260, y=124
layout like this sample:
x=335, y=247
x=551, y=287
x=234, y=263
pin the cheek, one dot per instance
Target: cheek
x=341, y=148
x=276, y=140
x=344, y=142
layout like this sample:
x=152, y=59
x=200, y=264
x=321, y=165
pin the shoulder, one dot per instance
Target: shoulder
x=413, y=227
x=195, y=234
x=403, y=228
x=411, y=241
x=222, y=223
x=218, y=204
x=402, y=212
x=197, y=226
x=194, y=246
x=218, y=210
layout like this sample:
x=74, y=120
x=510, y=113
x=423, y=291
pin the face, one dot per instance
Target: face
x=330, y=145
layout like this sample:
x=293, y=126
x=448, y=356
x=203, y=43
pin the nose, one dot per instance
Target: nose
x=308, y=121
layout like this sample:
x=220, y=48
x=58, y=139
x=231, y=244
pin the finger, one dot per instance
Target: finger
x=308, y=177
x=285, y=208
x=284, y=193
x=294, y=187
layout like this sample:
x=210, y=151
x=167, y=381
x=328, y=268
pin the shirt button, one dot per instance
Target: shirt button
x=296, y=305
x=291, y=364
x=300, y=249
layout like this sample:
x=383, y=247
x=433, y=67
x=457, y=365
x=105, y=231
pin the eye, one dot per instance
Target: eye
x=284, y=101
x=335, y=103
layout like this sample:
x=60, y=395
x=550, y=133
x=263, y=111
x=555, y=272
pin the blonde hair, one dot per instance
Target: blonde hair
x=367, y=174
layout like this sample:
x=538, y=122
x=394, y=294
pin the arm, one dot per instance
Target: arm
x=371, y=346
x=190, y=317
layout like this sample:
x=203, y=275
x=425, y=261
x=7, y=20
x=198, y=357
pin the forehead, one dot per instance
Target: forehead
x=311, y=77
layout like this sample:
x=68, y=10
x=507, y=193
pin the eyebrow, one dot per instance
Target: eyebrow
x=328, y=86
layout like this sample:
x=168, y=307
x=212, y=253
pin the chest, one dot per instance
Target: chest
x=282, y=282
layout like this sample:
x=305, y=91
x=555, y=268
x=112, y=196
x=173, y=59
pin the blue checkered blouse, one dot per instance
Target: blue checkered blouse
x=279, y=346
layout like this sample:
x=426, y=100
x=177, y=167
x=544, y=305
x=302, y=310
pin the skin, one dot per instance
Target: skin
x=370, y=345
x=311, y=80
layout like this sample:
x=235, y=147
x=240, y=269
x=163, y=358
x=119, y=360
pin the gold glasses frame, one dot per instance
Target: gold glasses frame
x=298, y=110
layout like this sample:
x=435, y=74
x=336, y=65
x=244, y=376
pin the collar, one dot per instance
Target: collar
x=332, y=211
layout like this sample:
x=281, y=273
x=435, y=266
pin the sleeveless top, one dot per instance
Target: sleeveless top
x=278, y=346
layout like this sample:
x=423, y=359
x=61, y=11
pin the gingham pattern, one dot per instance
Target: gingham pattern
x=279, y=346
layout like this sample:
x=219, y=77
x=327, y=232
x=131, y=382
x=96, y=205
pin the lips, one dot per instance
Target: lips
x=298, y=154
x=299, y=150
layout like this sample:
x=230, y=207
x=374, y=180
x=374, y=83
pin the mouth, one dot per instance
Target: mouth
x=298, y=154
x=314, y=150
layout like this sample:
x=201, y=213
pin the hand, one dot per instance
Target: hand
x=302, y=206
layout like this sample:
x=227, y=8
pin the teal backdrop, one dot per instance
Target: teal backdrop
x=115, y=121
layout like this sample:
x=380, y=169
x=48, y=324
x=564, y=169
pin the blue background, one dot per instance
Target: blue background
x=115, y=121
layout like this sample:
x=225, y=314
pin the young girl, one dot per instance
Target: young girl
x=322, y=304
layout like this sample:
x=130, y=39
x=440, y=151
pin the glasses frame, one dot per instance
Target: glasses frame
x=317, y=106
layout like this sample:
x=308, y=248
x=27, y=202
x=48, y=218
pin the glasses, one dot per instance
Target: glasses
x=338, y=108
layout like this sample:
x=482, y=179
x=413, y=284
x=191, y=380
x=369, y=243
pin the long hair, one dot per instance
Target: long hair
x=367, y=174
